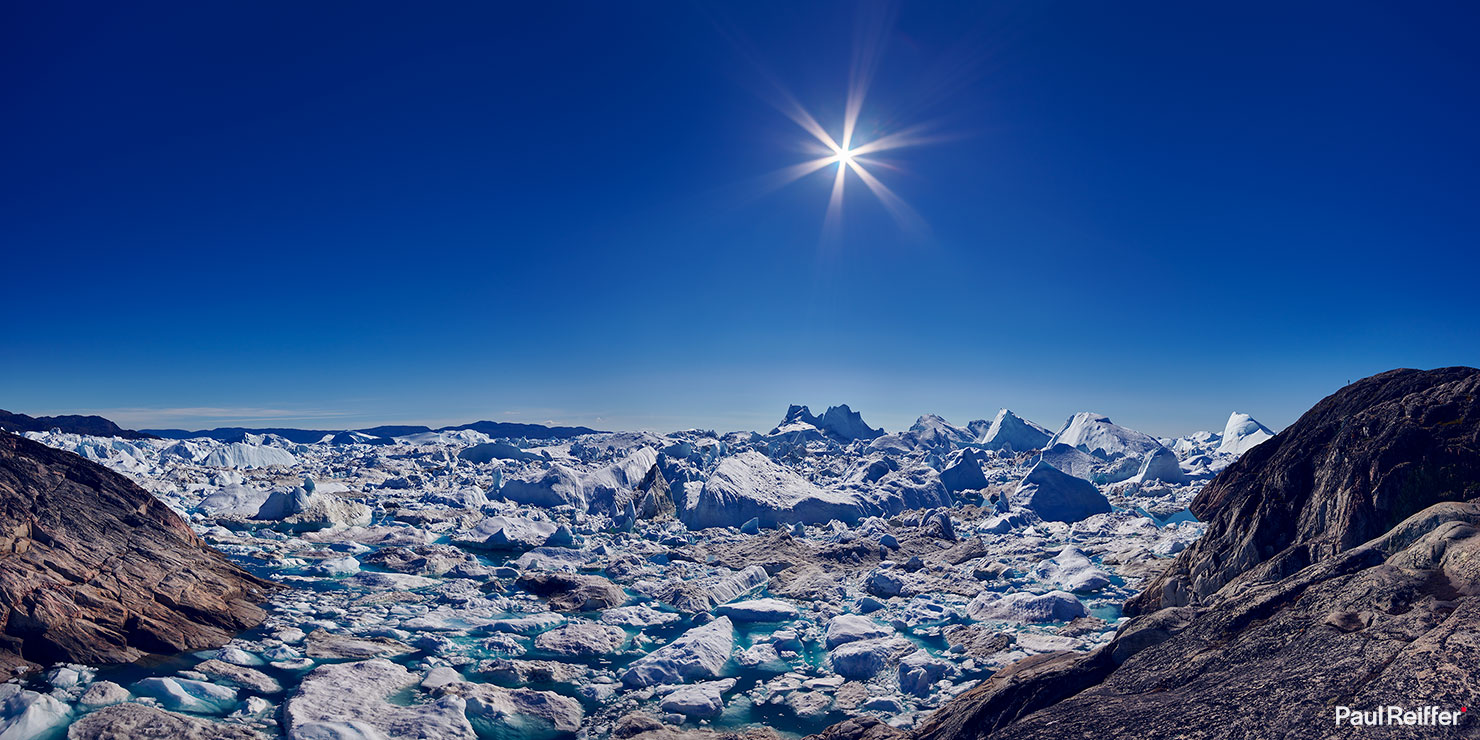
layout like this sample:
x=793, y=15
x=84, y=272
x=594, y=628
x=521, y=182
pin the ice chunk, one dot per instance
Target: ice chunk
x=349, y=700
x=1054, y=606
x=555, y=486
x=185, y=695
x=234, y=500
x=846, y=628
x=699, y=653
x=758, y=610
x=27, y=714
x=503, y=712
x=863, y=659
x=1071, y=570
x=965, y=473
x=1161, y=464
x=507, y=533
x=1054, y=496
x=699, y=700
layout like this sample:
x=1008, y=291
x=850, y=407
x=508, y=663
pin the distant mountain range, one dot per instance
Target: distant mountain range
x=93, y=425
x=307, y=436
x=99, y=427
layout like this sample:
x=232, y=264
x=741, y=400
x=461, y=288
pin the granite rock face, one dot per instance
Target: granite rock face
x=1341, y=568
x=93, y=569
x=1355, y=465
x=1390, y=622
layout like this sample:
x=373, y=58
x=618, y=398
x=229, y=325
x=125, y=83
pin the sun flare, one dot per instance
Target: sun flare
x=858, y=159
x=844, y=157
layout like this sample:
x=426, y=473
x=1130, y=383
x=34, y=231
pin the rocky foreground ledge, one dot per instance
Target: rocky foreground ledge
x=93, y=569
x=1341, y=569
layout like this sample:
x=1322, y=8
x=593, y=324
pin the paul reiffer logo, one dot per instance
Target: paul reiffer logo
x=1393, y=715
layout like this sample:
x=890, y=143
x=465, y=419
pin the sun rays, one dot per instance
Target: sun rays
x=845, y=153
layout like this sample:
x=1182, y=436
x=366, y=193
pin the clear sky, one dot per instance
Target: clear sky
x=340, y=214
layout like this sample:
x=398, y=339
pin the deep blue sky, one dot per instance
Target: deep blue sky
x=340, y=214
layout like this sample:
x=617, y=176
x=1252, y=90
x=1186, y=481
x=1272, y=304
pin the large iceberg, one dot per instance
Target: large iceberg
x=1104, y=439
x=1161, y=464
x=931, y=430
x=490, y=451
x=839, y=423
x=846, y=424
x=243, y=455
x=1070, y=460
x=1010, y=431
x=1241, y=433
x=554, y=486
x=750, y=486
x=1057, y=496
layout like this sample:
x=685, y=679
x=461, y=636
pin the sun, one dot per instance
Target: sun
x=844, y=157
x=853, y=160
x=853, y=147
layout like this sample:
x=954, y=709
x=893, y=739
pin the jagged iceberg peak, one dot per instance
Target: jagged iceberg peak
x=797, y=419
x=846, y=424
x=795, y=413
x=1241, y=433
x=933, y=430
x=1096, y=434
x=838, y=422
x=1008, y=430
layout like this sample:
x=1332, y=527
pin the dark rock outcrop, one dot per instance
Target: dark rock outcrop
x=1352, y=467
x=93, y=569
x=570, y=592
x=96, y=426
x=1341, y=568
x=1388, y=623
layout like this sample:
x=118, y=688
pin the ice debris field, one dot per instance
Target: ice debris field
x=450, y=585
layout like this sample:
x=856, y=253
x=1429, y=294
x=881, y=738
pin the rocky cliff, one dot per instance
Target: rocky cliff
x=1351, y=468
x=93, y=569
x=1341, y=569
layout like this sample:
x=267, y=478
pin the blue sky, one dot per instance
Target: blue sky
x=343, y=214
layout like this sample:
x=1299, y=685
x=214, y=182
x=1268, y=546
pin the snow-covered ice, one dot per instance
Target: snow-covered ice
x=452, y=585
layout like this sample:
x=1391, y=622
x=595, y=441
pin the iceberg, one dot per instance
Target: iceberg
x=750, y=486
x=932, y=430
x=700, y=653
x=1010, y=431
x=1098, y=436
x=1056, y=496
x=1241, y=433
x=243, y=455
